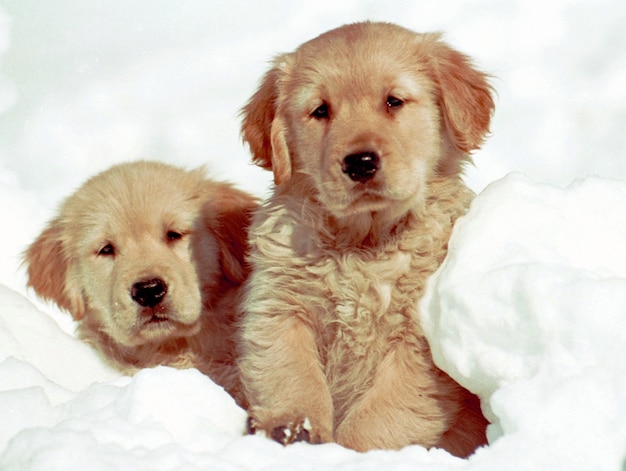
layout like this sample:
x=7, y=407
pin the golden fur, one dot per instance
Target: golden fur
x=149, y=259
x=332, y=347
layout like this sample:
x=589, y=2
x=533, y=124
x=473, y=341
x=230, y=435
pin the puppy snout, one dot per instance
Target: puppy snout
x=361, y=166
x=149, y=293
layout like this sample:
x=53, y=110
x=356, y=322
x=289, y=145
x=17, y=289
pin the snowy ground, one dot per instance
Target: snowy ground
x=528, y=310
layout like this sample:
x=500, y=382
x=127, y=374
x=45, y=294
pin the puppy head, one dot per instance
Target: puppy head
x=127, y=251
x=368, y=113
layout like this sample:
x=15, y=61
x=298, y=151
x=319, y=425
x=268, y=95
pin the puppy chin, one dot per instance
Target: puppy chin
x=166, y=330
x=156, y=324
x=365, y=204
x=379, y=203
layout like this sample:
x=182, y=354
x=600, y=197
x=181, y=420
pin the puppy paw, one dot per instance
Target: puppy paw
x=291, y=431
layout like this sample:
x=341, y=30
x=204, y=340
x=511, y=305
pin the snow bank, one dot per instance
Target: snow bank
x=527, y=311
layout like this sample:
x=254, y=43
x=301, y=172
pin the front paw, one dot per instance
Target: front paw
x=285, y=431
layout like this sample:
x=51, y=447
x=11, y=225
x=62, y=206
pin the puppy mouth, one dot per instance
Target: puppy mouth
x=369, y=200
x=363, y=197
x=154, y=316
x=161, y=322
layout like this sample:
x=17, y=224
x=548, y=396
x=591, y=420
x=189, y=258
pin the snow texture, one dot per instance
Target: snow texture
x=528, y=310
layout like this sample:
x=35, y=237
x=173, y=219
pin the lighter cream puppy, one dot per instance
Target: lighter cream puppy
x=366, y=129
x=149, y=259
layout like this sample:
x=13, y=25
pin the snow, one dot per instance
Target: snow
x=527, y=310
x=543, y=271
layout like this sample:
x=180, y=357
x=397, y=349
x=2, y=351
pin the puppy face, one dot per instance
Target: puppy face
x=368, y=112
x=133, y=251
x=136, y=265
x=366, y=144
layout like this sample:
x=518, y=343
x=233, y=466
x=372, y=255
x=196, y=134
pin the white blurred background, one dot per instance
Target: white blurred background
x=85, y=84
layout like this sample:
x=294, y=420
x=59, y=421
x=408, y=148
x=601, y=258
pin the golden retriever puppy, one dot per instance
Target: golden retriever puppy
x=366, y=129
x=149, y=259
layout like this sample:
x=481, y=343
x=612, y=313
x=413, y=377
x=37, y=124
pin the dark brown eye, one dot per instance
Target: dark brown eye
x=321, y=112
x=107, y=250
x=394, y=102
x=174, y=235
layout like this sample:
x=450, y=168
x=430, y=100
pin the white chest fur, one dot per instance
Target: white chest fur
x=357, y=298
x=359, y=289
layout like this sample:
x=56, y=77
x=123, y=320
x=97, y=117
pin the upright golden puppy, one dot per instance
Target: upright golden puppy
x=366, y=129
x=149, y=259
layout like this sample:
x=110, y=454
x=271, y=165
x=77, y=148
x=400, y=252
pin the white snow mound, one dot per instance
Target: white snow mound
x=529, y=311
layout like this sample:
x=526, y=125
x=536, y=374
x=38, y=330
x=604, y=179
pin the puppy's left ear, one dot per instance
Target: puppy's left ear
x=230, y=222
x=464, y=95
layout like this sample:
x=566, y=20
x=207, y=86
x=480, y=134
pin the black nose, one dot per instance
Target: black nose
x=149, y=293
x=361, y=167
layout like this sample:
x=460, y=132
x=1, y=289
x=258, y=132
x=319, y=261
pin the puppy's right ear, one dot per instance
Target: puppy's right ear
x=263, y=128
x=48, y=267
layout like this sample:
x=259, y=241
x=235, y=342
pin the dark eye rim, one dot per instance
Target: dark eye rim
x=321, y=112
x=173, y=236
x=394, y=102
x=107, y=250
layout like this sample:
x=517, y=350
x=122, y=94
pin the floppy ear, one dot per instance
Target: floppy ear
x=264, y=129
x=233, y=209
x=463, y=94
x=48, y=271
